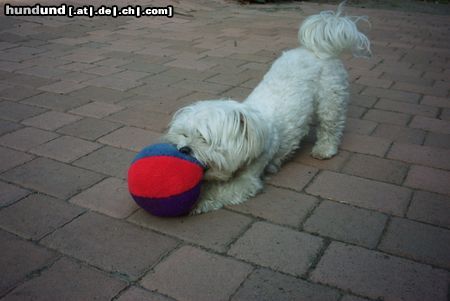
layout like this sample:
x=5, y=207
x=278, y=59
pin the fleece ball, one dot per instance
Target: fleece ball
x=164, y=181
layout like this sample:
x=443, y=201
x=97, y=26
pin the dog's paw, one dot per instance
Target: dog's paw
x=272, y=168
x=205, y=206
x=322, y=152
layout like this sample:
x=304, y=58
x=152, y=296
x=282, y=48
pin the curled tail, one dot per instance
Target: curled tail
x=329, y=33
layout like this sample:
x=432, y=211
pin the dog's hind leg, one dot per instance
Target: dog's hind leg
x=331, y=112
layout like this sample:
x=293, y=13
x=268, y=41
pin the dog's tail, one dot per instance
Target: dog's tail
x=330, y=33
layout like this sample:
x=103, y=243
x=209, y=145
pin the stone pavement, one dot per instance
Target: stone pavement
x=79, y=97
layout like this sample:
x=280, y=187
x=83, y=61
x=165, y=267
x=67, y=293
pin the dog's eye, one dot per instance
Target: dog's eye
x=202, y=139
x=184, y=135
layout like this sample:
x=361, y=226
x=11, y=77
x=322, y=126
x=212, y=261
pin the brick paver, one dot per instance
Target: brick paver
x=346, y=223
x=20, y=258
x=279, y=248
x=124, y=248
x=279, y=205
x=68, y=280
x=37, y=215
x=51, y=177
x=212, y=280
x=361, y=192
x=216, y=230
x=79, y=97
x=109, y=197
x=265, y=285
x=11, y=193
x=430, y=208
x=376, y=275
x=139, y=294
x=417, y=241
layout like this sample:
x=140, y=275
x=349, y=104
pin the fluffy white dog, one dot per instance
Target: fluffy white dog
x=239, y=142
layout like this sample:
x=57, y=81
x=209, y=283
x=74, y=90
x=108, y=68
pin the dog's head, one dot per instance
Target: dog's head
x=223, y=134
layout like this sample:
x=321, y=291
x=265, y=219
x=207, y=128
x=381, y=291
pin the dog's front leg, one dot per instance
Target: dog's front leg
x=216, y=194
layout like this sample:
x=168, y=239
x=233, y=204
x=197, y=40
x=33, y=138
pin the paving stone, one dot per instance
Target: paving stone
x=26, y=138
x=83, y=57
x=108, y=160
x=17, y=111
x=435, y=101
x=355, y=111
x=211, y=281
x=8, y=126
x=417, y=241
x=131, y=75
x=278, y=205
x=376, y=168
x=214, y=230
x=201, y=86
x=89, y=128
x=427, y=178
x=130, y=138
x=374, y=82
x=20, y=258
x=11, y=193
x=358, y=126
x=363, y=100
x=37, y=215
x=418, y=154
x=128, y=249
x=57, y=102
x=97, y=109
x=430, y=208
x=392, y=94
x=68, y=280
x=364, y=193
x=279, y=248
x=435, y=90
x=45, y=72
x=304, y=157
x=111, y=82
x=265, y=285
x=346, y=223
x=399, y=134
x=437, y=140
x=51, y=177
x=157, y=103
x=63, y=87
x=51, y=120
x=387, y=117
x=353, y=298
x=110, y=197
x=414, y=109
x=18, y=93
x=103, y=70
x=29, y=81
x=377, y=275
x=365, y=144
x=14, y=158
x=65, y=148
x=431, y=124
x=138, y=294
x=145, y=67
x=100, y=94
x=293, y=176
x=137, y=117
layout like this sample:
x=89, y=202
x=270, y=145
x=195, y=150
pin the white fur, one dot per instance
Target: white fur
x=238, y=142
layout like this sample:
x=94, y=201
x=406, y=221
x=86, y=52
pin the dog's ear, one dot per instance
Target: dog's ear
x=243, y=125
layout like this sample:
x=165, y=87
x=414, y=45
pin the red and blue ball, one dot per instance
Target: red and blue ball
x=164, y=181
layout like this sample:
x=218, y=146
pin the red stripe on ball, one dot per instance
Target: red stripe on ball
x=162, y=176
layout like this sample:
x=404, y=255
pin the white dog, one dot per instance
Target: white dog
x=238, y=142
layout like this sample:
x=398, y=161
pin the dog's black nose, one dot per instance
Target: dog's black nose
x=185, y=150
